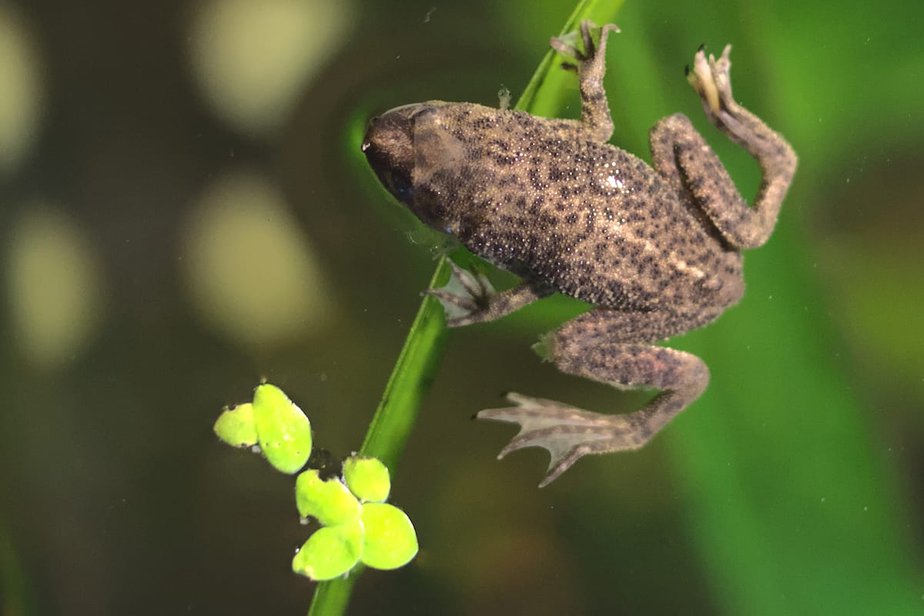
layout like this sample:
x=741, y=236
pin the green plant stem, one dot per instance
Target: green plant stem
x=397, y=411
x=333, y=597
x=411, y=377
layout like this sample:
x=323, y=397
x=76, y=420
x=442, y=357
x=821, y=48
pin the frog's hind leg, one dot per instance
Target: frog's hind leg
x=615, y=348
x=683, y=157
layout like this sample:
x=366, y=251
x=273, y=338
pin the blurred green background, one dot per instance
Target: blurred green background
x=184, y=210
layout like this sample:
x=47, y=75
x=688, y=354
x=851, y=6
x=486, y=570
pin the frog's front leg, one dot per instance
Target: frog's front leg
x=469, y=298
x=683, y=157
x=616, y=348
x=595, y=112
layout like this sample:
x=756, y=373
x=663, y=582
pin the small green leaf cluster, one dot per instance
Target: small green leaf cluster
x=357, y=525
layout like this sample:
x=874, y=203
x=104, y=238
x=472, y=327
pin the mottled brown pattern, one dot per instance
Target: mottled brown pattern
x=655, y=248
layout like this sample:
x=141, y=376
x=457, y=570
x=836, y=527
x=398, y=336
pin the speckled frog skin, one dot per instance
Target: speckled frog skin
x=656, y=249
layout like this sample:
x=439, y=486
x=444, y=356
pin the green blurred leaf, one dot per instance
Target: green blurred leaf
x=790, y=501
x=16, y=597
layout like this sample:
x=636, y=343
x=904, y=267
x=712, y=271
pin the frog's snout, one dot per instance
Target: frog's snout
x=391, y=130
x=386, y=136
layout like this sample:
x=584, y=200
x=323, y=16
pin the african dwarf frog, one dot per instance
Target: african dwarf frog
x=656, y=249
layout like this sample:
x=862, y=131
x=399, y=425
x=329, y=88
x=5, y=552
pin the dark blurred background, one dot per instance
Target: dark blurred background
x=184, y=210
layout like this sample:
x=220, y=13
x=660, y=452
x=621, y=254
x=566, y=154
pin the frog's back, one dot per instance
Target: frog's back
x=587, y=218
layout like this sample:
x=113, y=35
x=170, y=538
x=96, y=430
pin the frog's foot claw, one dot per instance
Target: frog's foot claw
x=711, y=78
x=565, y=44
x=567, y=433
x=464, y=297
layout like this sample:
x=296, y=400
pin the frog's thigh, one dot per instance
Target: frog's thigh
x=615, y=347
x=681, y=156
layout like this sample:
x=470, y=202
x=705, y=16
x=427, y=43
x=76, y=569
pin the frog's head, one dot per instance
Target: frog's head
x=389, y=148
x=412, y=153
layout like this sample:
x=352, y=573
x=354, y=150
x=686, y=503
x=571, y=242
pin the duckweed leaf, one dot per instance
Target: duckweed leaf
x=283, y=430
x=235, y=426
x=367, y=478
x=330, y=552
x=391, y=540
x=329, y=501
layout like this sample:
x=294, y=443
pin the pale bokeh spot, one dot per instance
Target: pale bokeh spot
x=248, y=267
x=20, y=89
x=55, y=286
x=253, y=59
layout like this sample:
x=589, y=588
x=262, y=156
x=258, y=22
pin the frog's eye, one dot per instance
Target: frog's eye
x=400, y=186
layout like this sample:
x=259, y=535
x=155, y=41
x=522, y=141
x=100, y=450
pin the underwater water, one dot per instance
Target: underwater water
x=185, y=210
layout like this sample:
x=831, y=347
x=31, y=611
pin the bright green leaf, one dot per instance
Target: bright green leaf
x=330, y=552
x=329, y=501
x=283, y=430
x=235, y=426
x=391, y=541
x=367, y=478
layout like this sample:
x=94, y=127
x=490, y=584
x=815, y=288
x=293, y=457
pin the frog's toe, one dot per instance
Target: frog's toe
x=711, y=78
x=565, y=432
x=721, y=73
x=567, y=43
x=464, y=296
x=475, y=284
x=454, y=304
x=700, y=77
x=723, y=64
